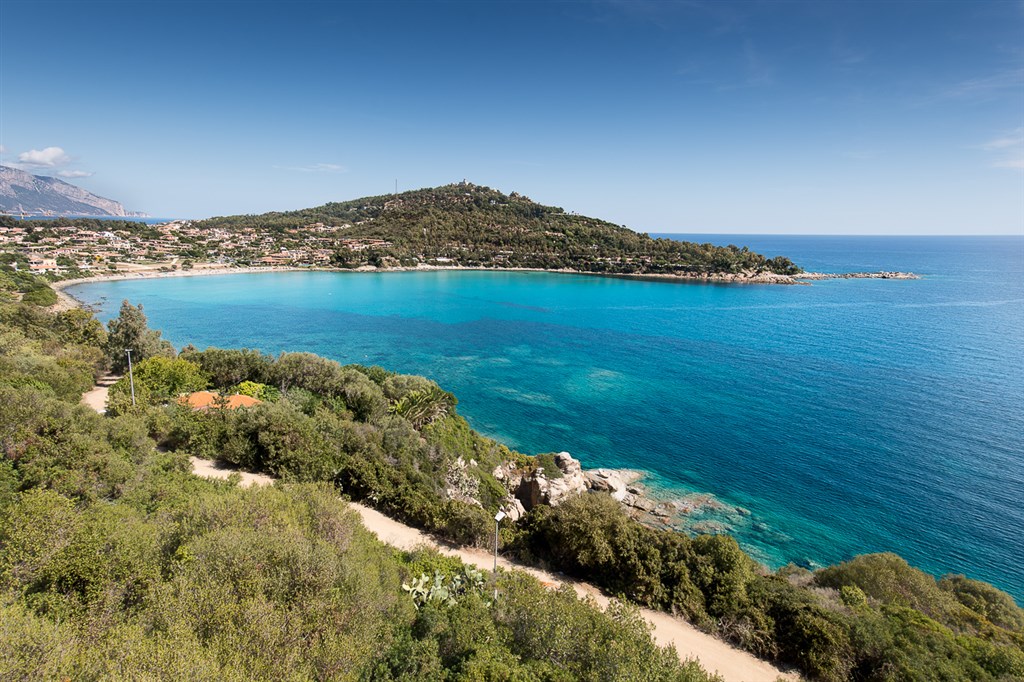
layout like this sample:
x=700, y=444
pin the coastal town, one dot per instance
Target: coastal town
x=65, y=249
x=76, y=249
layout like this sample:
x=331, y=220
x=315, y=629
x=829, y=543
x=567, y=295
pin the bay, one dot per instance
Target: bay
x=849, y=416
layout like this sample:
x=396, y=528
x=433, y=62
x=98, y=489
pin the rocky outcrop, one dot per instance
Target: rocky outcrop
x=615, y=482
x=743, y=277
x=764, y=277
x=856, y=275
x=531, y=487
x=22, y=192
x=696, y=512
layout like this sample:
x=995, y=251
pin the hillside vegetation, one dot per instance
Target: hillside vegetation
x=115, y=562
x=469, y=225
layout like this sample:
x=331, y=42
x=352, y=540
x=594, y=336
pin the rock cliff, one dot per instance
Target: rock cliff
x=36, y=195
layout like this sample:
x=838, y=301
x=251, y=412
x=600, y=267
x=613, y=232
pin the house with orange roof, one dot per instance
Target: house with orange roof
x=204, y=400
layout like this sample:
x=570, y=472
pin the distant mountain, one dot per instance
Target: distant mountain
x=39, y=195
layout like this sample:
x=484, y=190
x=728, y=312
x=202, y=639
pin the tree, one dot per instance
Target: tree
x=130, y=330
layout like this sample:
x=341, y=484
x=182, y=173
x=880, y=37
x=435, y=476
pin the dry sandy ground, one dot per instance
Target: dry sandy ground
x=97, y=397
x=734, y=665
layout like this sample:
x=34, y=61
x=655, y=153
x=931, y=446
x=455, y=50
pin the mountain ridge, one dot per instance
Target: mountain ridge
x=22, y=193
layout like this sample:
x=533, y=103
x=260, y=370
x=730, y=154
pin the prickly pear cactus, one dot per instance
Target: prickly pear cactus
x=444, y=590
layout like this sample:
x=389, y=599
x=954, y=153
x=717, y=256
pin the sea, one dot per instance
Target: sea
x=812, y=423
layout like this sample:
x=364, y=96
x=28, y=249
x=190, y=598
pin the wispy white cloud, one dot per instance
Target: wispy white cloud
x=984, y=87
x=1014, y=138
x=1009, y=146
x=50, y=157
x=316, y=168
x=74, y=174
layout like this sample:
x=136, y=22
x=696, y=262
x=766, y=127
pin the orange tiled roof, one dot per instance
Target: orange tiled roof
x=204, y=400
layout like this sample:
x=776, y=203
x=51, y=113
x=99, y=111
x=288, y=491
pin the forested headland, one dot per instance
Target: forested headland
x=474, y=226
x=116, y=562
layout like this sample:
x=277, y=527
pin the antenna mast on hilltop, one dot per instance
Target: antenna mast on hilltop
x=396, y=185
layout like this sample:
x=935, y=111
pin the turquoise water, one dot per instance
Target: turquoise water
x=849, y=416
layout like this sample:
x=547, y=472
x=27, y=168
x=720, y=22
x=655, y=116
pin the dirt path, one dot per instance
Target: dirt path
x=97, y=397
x=734, y=665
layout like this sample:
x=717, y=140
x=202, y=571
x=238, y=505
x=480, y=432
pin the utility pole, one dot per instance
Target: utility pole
x=131, y=375
x=497, y=521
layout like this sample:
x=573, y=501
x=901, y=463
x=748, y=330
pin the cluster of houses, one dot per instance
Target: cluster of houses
x=58, y=248
x=64, y=247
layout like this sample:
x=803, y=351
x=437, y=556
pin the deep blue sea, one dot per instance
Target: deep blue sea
x=849, y=416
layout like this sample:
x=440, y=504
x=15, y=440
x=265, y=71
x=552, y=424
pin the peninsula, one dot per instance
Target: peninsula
x=458, y=226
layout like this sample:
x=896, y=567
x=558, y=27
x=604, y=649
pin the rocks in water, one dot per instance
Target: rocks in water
x=614, y=481
x=531, y=486
x=709, y=527
x=856, y=275
x=644, y=504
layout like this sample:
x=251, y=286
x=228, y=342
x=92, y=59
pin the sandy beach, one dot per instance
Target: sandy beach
x=66, y=302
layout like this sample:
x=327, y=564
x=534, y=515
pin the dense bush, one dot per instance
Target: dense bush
x=880, y=619
x=157, y=381
x=155, y=574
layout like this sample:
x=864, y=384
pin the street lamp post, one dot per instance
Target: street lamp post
x=131, y=374
x=497, y=521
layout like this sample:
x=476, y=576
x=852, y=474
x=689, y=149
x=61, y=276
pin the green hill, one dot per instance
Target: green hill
x=469, y=225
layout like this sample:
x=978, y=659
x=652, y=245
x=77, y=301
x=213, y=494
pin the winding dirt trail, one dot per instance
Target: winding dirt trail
x=97, y=397
x=715, y=655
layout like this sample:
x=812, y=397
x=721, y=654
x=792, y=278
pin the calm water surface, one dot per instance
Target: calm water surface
x=849, y=416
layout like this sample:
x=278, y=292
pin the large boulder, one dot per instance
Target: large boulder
x=571, y=483
x=616, y=482
x=533, y=487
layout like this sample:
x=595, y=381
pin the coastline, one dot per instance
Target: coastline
x=66, y=301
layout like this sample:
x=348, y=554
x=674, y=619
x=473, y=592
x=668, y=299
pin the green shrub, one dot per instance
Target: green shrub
x=41, y=296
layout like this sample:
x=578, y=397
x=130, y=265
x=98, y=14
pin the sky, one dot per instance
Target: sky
x=796, y=117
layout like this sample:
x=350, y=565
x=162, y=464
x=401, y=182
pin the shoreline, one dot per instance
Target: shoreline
x=67, y=301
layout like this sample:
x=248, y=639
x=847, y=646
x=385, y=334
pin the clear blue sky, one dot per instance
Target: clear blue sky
x=778, y=117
